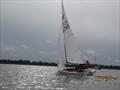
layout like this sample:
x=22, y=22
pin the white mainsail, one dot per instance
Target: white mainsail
x=72, y=51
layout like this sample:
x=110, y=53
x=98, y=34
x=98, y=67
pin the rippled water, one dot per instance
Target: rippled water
x=27, y=77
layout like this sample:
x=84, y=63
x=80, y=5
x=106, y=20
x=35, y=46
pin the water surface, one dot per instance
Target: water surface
x=28, y=77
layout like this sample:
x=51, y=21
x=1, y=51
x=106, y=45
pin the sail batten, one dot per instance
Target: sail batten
x=72, y=51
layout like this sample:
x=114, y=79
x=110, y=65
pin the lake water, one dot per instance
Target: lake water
x=28, y=77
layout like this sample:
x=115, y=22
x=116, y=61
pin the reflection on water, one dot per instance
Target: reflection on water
x=22, y=77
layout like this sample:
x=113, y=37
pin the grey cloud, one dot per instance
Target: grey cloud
x=34, y=25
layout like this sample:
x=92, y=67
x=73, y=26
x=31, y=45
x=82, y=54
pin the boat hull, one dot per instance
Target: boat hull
x=85, y=72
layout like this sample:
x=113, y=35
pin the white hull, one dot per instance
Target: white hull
x=71, y=73
x=85, y=72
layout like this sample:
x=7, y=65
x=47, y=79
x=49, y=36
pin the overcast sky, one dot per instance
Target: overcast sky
x=29, y=29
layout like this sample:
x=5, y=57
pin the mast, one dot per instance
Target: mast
x=65, y=54
x=63, y=31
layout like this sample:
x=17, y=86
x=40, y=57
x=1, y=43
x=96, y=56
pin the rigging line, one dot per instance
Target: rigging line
x=63, y=16
x=65, y=54
x=59, y=39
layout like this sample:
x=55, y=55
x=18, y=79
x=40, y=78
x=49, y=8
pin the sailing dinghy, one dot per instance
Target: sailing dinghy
x=74, y=63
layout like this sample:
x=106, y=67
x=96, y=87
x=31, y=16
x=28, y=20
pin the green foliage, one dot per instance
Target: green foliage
x=26, y=62
x=105, y=66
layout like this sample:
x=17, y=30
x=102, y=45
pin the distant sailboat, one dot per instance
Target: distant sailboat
x=74, y=62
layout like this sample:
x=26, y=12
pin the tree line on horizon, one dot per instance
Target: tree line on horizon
x=28, y=62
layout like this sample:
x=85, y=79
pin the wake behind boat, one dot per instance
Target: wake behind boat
x=73, y=62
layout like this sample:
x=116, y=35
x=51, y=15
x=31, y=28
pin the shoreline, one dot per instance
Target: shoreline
x=40, y=63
